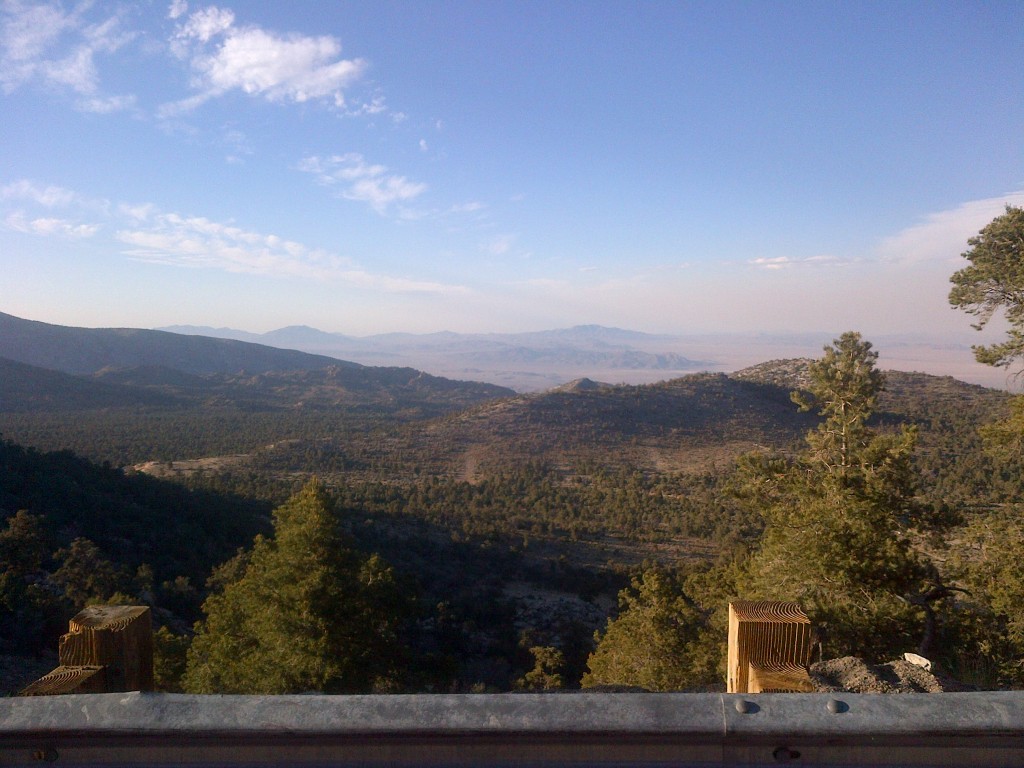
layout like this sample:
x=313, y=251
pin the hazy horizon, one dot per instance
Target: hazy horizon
x=937, y=354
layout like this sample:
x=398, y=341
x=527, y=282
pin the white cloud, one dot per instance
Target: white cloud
x=106, y=104
x=26, y=32
x=41, y=42
x=200, y=243
x=107, y=36
x=943, y=236
x=148, y=234
x=169, y=238
x=787, y=262
x=46, y=198
x=204, y=24
x=138, y=212
x=293, y=67
x=362, y=181
x=177, y=8
x=49, y=226
x=375, y=106
x=173, y=109
x=77, y=70
x=382, y=191
x=49, y=196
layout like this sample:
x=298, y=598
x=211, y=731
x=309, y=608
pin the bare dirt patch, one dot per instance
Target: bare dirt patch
x=188, y=467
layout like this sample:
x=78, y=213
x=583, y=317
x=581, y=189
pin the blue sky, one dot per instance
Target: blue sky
x=365, y=167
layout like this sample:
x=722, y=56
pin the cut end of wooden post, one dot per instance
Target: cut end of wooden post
x=769, y=647
x=111, y=618
x=63, y=679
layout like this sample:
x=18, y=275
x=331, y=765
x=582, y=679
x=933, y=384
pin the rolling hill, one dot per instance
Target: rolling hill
x=28, y=388
x=89, y=350
x=695, y=423
x=56, y=368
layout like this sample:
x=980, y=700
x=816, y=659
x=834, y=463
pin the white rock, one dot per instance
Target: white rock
x=920, y=661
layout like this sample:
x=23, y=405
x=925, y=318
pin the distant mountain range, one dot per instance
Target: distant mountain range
x=523, y=361
x=531, y=362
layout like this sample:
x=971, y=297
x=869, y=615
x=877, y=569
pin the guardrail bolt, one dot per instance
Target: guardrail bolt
x=835, y=706
x=785, y=755
x=47, y=755
x=745, y=707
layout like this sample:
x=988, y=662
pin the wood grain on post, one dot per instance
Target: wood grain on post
x=63, y=679
x=108, y=648
x=769, y=647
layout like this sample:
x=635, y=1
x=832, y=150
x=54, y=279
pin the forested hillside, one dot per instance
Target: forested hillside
x=511, y=524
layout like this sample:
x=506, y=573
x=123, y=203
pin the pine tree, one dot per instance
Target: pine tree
x=989, y=558
x=994, y=281
x=838, y=516
x=657, y=642
x=307, y=614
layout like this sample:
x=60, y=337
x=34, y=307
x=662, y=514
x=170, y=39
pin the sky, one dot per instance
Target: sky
x=366, y=167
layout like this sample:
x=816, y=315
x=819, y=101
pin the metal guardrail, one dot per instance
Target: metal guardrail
x=624, y=729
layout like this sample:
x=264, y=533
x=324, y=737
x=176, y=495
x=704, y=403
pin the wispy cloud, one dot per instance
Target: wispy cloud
x=943, y=236
x=42, y=43
x=789, y=262
x=177, y=9
x=48, y=196
x=938, y=237
x=362, y=181
x=141, y=212
x=145, y=233
x=194, y=241
x=49, y=225
x=197, y=242
x=46, y=200
x=225, y=56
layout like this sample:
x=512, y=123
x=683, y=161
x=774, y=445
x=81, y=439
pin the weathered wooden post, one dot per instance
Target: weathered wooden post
x=769, y=647
x=108, y=648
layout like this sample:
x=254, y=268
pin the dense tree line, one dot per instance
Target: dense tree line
x=537, y=500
